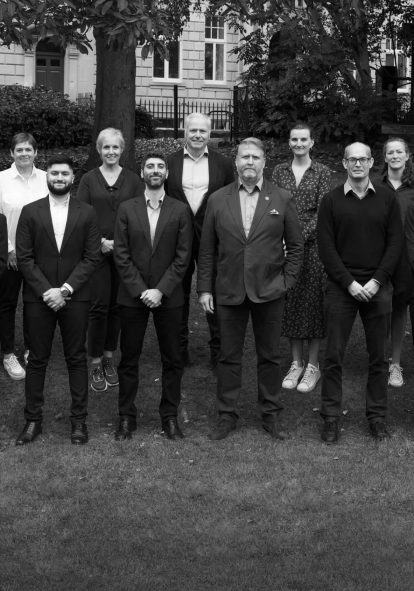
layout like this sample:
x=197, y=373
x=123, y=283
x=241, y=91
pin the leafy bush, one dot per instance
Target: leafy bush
x=144, y=123
x=50, y=116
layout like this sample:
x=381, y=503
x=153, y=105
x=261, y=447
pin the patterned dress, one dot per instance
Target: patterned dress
x=304, y=315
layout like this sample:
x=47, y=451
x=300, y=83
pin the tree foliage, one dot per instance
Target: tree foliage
x=320, y=62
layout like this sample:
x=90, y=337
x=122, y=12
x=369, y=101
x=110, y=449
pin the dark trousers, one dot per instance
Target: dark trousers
x=341, y=310
x=104, y=323
x=214, y=342
x=10, y=284
x=266, y=320
x=41, y=323
x=167, y=323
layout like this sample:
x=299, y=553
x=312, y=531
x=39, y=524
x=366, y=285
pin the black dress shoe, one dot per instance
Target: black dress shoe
x=379, y=430
x=30, y=431
x=222, y=429
x=172, y=430
x=330, y=431
x=273, y=430
x=79, y=434
x=125, y=429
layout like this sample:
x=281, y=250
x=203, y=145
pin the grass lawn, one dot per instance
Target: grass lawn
x=246, y=513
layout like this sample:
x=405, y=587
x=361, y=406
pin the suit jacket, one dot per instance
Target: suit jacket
x=220, y=173
x=43, y=266
x=3, y=243
x=256, y=266
x=144, y=266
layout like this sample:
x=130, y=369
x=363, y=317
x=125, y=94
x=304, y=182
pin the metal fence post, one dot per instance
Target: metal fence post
x=175, y=111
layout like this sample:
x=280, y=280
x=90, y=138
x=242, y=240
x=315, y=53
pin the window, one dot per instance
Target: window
x=214, y=49
x=168, y=69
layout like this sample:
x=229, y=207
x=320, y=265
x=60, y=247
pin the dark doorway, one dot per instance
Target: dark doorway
x=49, y=65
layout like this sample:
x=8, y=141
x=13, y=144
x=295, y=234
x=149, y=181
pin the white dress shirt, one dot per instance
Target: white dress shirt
x=248, y=204
x=153, y=215
x=17, y=191
x=195, y=178
x=59, y=212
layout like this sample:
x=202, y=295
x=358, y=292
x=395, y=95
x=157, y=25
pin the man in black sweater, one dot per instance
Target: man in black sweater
x=359, y=235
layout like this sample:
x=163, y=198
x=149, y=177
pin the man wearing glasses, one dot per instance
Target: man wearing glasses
x=359, y=234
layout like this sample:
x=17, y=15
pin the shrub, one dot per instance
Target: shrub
x=144, y=123
x=50, y=116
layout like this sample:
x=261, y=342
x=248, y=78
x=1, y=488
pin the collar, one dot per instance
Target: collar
x=258, y=186
x=148, y=200
x=348, y=188
x=188, y=155
x=16, y=173
x=58, y=202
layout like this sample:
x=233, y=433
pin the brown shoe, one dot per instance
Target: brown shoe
x=30, y=431
x=223, y=428
x=125, y=429
x=79, y=434
x=172, y=430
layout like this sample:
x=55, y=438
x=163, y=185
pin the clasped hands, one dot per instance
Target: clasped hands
x=151, y=298
x=54, y=299
x=363, y=293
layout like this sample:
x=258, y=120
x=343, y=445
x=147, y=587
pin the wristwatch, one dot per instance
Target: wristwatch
x=65, y=292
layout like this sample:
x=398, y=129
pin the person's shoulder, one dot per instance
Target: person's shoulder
x=174, y=156
x=272, y=187
x=6, y=173
x=383, y=189
x=131, y=175
x=176, y=204
x=33, y=206
x=218, y=195
x=321, y=168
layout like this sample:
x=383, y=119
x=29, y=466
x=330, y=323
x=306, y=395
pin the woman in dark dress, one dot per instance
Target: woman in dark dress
x=303, y=320
x=398, y=175
x=105, y=188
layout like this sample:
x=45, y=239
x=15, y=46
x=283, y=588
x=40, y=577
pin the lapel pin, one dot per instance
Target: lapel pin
x=274, y=212
x=267, y=198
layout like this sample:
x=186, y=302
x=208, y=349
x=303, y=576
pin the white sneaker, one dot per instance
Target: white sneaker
x=13, y=367
x=293, y=376
x=310, y=378
x=395, y=379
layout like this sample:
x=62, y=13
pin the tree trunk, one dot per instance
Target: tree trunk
x=115, y=98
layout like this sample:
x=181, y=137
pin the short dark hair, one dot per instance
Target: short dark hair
x=158, y=155
x=302, y=125
x=60, y=159
x=21, y=138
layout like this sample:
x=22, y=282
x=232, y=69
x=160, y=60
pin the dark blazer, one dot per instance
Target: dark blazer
x=142, y=266
x=3, y=243
x=220, y=173
x=255, y=266
x=43, y=266
x=105, y=199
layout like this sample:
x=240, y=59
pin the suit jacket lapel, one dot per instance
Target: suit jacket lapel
x=263, y=202
x=46, y=220
x=142, y=217
x=165, y=213
x=235, y=208
x=73, y=215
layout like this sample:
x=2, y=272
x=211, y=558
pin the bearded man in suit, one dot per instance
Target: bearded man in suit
x=57, y=246
x=195, y=172
x=152, y=250
x=252, y=235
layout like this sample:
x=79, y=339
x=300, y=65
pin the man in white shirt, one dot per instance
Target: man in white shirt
x=57, y=245
x=194, y=173
x=20, y=184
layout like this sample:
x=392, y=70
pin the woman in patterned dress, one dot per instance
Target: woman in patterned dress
x=398, y=175
x=303, y=320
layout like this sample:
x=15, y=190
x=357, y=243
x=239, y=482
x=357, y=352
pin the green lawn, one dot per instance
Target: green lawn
x=246, y=513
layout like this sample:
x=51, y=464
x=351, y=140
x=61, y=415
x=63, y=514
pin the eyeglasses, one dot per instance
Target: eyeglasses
x=352, y=161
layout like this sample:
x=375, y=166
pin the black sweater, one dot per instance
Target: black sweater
x=359, y=239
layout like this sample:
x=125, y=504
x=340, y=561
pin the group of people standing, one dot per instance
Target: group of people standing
x=299, y=258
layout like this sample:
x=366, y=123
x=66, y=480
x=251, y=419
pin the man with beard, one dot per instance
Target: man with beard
x=152, y=250
x=249, y=225
x=57, y=243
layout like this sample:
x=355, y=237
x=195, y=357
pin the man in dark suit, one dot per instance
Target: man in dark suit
x=57, y=243
x=195, y=172
x=248, y=226
x=152, y=250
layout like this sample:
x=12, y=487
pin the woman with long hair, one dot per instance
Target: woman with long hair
x=398, y=175
x=303, y=320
